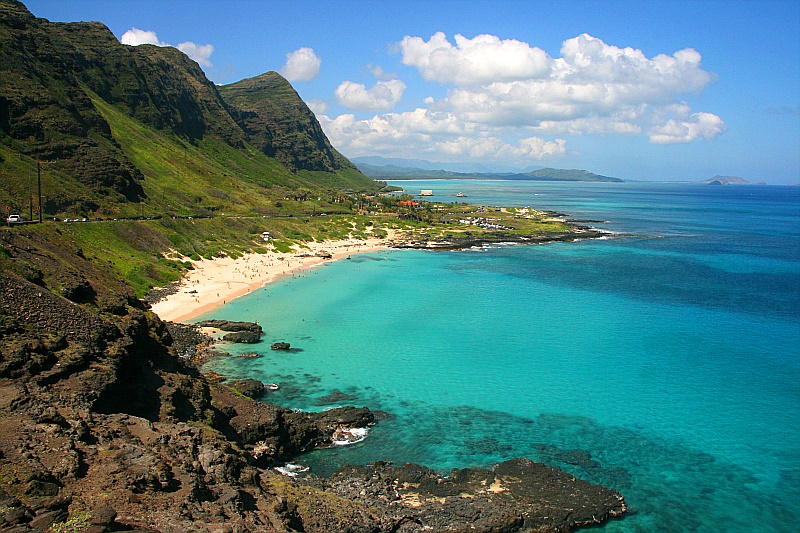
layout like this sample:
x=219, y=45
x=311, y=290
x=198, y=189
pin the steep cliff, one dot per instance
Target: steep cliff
x=281, y=125
x=46, y=115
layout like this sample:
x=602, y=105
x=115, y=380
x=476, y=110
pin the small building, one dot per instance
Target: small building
x=266, y=236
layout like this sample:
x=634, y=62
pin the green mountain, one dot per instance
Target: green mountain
x=280, y=124
x=124, y=131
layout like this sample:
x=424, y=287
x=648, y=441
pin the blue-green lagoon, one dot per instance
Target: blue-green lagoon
x=664, y=364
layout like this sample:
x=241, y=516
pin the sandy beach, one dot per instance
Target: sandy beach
x=214, y=282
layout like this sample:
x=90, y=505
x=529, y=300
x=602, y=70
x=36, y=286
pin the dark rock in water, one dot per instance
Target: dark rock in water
x=214, y=377
x=381, y=415
x=575, y=457
x=281, y=346
x=244, y=337
x=275, y=432
x=517, y=495
x=487, y=446
x=615, y=477
x=227, y=325
x=334, y=397
x=252, y=388
x=312, y=430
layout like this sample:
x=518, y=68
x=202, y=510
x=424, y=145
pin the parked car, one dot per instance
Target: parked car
x=14, y=219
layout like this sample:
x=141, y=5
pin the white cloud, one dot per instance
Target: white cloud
x=301, y=65
x=198, y=52
x=484, y=59
x=493, y=148
x=509, y=101
x=439, y=134
x=135, y=37
x=698, y=125
x=383, y=96
x=593, y=87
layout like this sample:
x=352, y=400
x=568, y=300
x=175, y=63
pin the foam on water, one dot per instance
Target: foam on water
x=667, y=368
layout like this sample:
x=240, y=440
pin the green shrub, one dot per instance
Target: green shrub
x=77, y=522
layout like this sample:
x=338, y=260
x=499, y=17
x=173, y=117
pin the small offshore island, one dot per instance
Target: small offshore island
x=143, y=181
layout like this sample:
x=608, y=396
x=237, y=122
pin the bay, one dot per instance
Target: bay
x=665, y=363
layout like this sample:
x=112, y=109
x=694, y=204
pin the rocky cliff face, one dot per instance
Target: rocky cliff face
x=281, y=125
x=45, y=112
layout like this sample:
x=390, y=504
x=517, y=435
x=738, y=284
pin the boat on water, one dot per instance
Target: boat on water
x=461, y=195
x=426, y=192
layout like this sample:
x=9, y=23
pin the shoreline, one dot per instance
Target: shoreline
x=214, y=282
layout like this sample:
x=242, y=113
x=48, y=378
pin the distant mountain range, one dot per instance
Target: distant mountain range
x=407, y=169
x=729, y=180
x=421, y=164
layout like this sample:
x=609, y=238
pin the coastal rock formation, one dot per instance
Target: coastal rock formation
x=252, y=388
x=244, y=337
x=241, y=332
x=281, y=346
x=517, y=495
x=103, y=424
x=463, y=242
x=228, y=325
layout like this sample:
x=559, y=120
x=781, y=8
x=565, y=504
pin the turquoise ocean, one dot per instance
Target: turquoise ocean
x=664, y=363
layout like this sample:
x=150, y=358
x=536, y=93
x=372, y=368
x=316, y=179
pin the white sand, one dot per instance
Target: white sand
x=215, y=282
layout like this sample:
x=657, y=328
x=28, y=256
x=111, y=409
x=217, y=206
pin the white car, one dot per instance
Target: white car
x=14, y=219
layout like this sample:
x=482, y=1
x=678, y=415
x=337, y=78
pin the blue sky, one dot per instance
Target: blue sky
x=651, y=90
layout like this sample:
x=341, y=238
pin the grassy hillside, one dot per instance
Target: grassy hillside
x=152, y=253
x=181, y=178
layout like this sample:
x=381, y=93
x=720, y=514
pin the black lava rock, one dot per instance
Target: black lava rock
x=252, y=388
x=245, y=337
